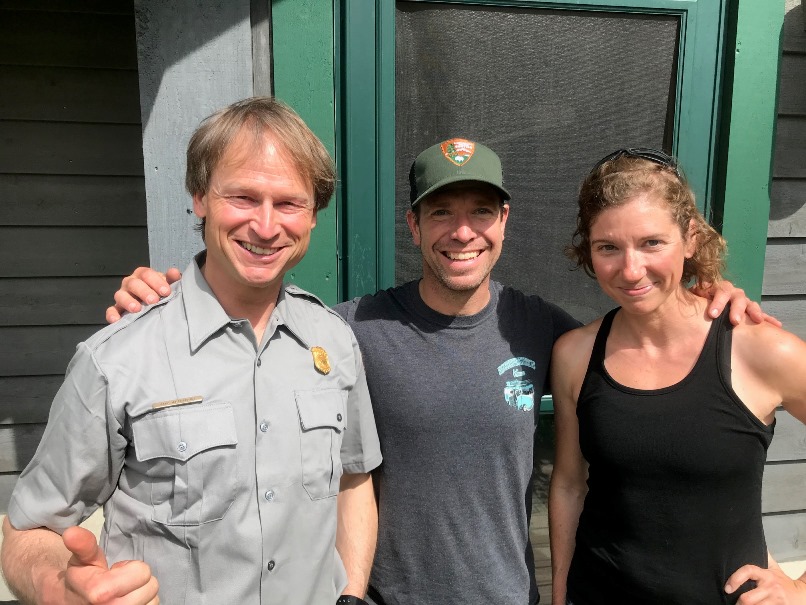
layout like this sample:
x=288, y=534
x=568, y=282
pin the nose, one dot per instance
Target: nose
x=633, y=267
x=264, y=221
x=463, y=230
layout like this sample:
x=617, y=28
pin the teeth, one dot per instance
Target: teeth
x=257, y=249
x=462, y=255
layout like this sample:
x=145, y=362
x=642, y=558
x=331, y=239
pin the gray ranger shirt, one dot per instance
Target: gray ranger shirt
x=217, y=460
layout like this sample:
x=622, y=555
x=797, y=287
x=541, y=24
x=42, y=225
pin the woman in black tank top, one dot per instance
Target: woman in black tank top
x=663, y=414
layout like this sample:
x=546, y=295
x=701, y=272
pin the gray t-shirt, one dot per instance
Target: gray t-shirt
x=456, y=403
x=230, y=499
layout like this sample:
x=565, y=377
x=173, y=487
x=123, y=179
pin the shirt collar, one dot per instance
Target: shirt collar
x=206, y=316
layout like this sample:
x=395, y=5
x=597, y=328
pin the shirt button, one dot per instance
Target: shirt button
x=338, y=417
x=270, y=566
x=182, y=446
x=258, y=362
x=264, y=426
x=269, y=495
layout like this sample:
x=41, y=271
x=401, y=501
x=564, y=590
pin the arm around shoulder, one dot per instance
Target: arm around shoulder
x=568, y=480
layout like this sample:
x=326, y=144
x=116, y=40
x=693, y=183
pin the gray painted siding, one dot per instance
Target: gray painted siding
x=784, y=290
x=73, y=217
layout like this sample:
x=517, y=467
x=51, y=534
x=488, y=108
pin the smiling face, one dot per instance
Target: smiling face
x=638, y=251
x=460, y=232
x=259, y=214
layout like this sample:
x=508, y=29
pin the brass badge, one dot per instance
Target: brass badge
x=320, y=360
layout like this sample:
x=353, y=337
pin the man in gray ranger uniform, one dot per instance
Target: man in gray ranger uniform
x=215, y=426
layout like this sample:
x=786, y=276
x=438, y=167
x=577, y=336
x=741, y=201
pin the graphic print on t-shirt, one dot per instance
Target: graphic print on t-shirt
x=519, y=392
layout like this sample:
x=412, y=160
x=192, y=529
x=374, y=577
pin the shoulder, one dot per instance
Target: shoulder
x=535, y=306
x=131, y=324
x=578, y=340
x=778, y=345
x=304, y=300
x=384, y=304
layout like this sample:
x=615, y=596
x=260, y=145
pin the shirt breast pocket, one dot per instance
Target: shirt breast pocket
x=322, y=422
x=192, y=461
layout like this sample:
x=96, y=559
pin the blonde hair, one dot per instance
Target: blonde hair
x=261, y=115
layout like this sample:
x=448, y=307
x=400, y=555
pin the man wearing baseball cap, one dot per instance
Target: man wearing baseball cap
x=456, y=364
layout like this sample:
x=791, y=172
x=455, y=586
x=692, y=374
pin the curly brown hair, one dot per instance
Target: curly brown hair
x=615, y=182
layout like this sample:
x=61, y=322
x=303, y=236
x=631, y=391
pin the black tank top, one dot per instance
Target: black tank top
x=674, y=500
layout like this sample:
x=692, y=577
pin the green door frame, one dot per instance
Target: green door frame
x=747, y=136
x=303, y=57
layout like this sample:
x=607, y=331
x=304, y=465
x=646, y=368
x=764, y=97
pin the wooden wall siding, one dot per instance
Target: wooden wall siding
x=60, y=200
x=26, y=399
x=789, y=443
x=62, y=300
x=73, y=212
x=71, y=148
x=789, y=142
x=18, y=444
x=791, y=99
x=788, y=208
x=84, y=251
x=785, y=267
x=784, y=488
x=784, y=290
x=786, y=535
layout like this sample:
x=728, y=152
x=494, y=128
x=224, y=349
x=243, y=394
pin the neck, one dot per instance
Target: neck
x=254, y=304
x=454, y=302
x=670, y=322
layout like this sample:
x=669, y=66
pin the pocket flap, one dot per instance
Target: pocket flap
x=181, y=433
x=321, y=409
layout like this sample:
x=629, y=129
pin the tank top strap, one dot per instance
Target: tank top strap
x=598, y=352
x=724, y=342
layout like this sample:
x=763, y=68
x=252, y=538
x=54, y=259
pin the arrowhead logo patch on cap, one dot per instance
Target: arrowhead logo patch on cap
x=458, y=151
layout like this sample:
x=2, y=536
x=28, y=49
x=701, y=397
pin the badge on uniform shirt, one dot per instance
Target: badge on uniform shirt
x=320, y=360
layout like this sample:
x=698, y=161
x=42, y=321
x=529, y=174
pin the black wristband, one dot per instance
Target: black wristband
x=347, y=599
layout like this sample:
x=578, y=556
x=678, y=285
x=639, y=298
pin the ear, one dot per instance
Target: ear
x=414, y=227
x=313, y=219
x=691, y=239
x=200, y=204
x=504, y=217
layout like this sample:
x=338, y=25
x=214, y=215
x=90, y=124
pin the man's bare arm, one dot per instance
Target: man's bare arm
x=357, y=530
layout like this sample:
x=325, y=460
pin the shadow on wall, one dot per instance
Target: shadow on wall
x=788, y=192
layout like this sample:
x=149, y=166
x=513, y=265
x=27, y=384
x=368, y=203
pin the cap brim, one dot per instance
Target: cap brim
x=459, y=179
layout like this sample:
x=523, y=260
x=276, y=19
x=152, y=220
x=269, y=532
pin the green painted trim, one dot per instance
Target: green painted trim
x=303, y=43
x=358, y=146
x=748, y=132
x=386, y=144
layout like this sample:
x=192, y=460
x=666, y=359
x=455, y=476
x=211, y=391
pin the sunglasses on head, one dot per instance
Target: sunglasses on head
x=644, y=153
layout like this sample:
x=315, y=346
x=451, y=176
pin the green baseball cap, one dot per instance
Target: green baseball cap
x=452, y=161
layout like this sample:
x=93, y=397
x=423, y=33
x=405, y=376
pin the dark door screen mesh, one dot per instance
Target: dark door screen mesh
x=551, y=91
